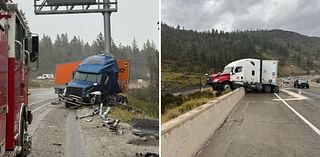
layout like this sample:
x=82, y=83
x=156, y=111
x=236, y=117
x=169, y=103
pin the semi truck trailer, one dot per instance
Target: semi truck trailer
x=253, y=74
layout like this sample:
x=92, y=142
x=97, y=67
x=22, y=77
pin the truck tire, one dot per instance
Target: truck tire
x=275, y=89
x=267, y=88
x=226, y=86
x=21, y=136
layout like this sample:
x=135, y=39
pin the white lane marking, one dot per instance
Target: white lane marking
x=40, y=107
x=289, y=99
x=295, y=95
x=314, y=128
x=41, y=100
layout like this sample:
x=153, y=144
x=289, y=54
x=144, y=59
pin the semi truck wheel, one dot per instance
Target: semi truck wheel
x=226, y=86
x=267, y=89
x=21, y=136
x=275, y=89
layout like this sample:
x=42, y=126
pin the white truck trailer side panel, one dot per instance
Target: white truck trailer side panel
x=269, y=71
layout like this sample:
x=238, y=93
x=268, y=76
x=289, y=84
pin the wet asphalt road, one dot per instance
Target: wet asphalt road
x=264, y=126
x=50, y=133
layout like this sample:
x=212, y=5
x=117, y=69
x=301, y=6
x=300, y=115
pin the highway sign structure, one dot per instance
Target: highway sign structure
x=106, y=7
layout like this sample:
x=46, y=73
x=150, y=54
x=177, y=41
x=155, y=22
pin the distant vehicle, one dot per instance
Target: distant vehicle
x=285, y=81
x=253, y=74
x=45, y=77
x=301, y=83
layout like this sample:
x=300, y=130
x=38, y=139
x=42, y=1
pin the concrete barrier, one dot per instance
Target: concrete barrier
x=185, y=135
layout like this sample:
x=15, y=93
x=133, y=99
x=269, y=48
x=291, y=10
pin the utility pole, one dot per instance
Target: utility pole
x=107, y=26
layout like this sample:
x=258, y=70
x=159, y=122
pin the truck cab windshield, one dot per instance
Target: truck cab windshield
x=227, y=69
x=87, y=77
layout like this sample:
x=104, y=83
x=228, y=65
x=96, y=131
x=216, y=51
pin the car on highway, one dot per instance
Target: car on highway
x=285, y=81
x=300, y=83
x=45, y=77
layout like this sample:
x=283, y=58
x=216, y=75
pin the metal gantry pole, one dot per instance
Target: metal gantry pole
x=107, y=27
x=106, y=7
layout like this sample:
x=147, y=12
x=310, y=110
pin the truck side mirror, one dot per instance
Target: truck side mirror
x=35, y=49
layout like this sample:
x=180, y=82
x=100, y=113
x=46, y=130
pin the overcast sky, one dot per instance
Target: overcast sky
x=302, y=16
x=135, y=18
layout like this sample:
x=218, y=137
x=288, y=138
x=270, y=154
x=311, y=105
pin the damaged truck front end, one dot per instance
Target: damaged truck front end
x=95, y=73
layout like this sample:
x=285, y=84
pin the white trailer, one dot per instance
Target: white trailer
x=255, y=74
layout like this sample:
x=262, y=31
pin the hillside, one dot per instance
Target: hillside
x=192, y=52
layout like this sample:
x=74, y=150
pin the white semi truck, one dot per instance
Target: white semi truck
x=254, y=74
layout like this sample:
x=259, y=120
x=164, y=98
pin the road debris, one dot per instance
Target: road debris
x=55, y=102
x=57, y=144
x=119, y=139
x=145, y=127
x=147, y=155
x=89, y=120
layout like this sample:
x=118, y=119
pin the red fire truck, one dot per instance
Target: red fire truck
x=17, y=49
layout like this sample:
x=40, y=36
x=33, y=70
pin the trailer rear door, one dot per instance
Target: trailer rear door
x=269, y=71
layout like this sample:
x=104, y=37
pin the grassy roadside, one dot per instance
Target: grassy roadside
x=150, y=110
x=174, y=80
x=185, y=107
x=174, y=106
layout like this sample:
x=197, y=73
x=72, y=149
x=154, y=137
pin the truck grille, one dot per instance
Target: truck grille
x=74, y=91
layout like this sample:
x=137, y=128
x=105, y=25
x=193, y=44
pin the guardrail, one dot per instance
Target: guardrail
x=185, y=135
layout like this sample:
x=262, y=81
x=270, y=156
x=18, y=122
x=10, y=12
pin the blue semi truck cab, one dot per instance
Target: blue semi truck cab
x=95, y=73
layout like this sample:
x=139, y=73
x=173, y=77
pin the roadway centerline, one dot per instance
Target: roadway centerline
x=42, y=100
x=314, y=128
x=46, y=104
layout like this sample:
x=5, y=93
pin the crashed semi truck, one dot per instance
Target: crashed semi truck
x=17, y=49
x=252, y=74
x=103, y=73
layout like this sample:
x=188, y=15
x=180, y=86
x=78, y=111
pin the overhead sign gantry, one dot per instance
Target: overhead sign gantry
x=106, y=7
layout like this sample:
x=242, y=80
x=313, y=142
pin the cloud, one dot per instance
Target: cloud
x=295, y=15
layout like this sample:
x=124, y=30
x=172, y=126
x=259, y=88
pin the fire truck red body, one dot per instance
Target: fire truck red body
x=16, y=42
